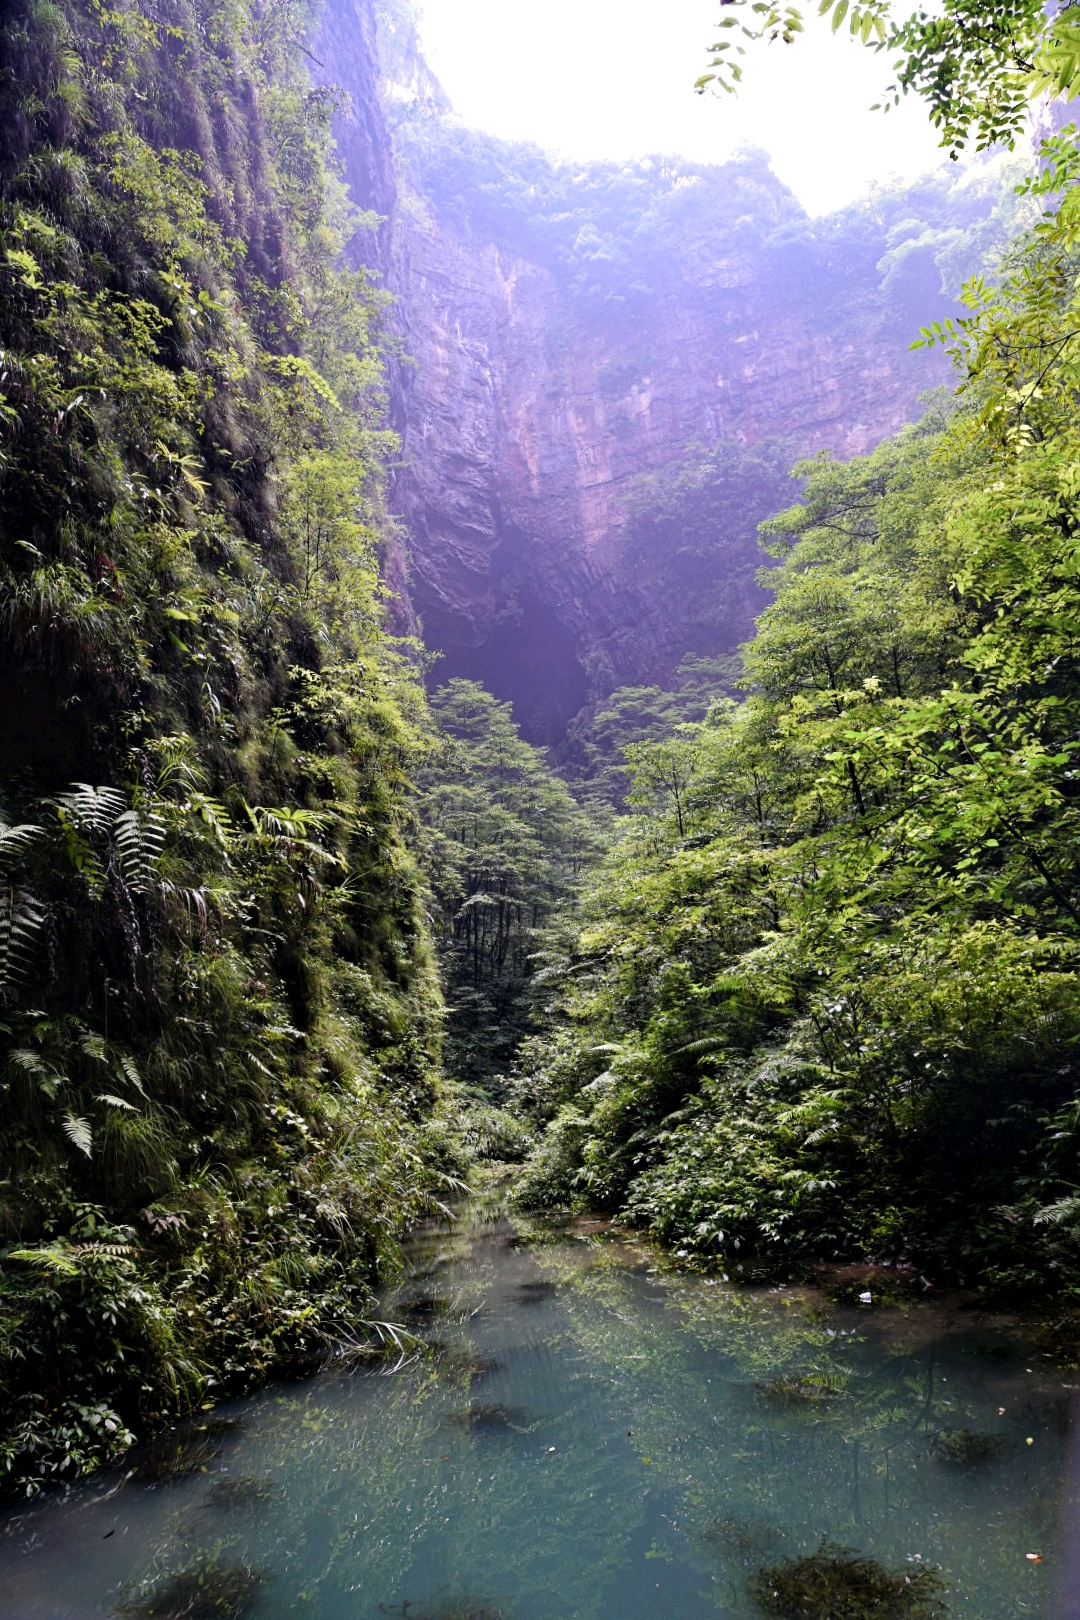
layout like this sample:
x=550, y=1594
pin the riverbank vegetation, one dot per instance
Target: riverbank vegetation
x=220, y=1014
x=790, y=970
x=826, y=1000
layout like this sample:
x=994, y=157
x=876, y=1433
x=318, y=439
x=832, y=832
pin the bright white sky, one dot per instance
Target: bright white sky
x=614, y=79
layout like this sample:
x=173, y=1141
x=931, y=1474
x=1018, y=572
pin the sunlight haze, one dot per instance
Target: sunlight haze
x=614, y=79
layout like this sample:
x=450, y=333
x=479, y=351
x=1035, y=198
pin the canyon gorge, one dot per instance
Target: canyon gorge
x=606, y=371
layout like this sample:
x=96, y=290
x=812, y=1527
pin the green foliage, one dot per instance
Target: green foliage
x=507, y=847
x=220, y=1017
x=977, y=67
x=826, y=998
x=597, y=744
x=691, y=539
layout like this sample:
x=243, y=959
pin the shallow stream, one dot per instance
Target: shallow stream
x=590, y=1434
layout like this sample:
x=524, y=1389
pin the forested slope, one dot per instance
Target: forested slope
x=826, y=1002
x=218, y=1005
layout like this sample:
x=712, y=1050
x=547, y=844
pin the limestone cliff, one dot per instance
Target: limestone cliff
x=571, y=331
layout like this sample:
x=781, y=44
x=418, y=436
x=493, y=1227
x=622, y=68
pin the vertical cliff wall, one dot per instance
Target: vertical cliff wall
x=572, y=332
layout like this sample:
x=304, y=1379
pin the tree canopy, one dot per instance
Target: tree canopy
x=977, y=66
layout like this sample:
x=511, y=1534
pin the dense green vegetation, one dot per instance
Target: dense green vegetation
x=821, y=997
x=219, y=1017
x=597, y=743
x=507, y=847
x=827, y=998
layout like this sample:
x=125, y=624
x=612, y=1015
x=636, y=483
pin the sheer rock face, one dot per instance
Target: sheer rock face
x=525, y=424
x=526, y=411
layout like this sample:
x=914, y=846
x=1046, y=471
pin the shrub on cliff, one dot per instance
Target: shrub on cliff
x=219, y=1010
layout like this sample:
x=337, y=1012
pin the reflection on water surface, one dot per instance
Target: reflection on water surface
x=589, y=1434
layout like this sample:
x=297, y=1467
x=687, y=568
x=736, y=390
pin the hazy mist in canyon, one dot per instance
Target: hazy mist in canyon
x=601, y=80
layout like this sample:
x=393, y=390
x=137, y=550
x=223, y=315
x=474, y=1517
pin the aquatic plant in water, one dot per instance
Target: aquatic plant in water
x=812, y=1390
x=175, y=1458
x=427, y=1308
x=454, y=1608
x=185, y=1450
x=242, y=1490
x=461, y=1362
x=534, y=1293
x=965, y=1448
x=836, y=1583
x=207, y=1591
x=748, y=1539
x=489, y=1417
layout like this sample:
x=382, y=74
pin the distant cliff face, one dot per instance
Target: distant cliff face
x=573, y=333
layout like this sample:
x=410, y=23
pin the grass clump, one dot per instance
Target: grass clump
x=836, y=1583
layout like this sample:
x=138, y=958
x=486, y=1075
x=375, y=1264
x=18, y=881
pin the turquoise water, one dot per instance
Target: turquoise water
x=590, y=1433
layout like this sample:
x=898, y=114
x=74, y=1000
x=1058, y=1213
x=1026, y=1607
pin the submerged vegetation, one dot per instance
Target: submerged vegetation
x=208, y=1591
x=836, y=1584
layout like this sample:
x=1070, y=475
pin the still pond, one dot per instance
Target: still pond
x=576, y=1428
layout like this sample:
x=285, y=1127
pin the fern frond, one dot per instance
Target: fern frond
x=140, y=839
x=49, y=1080
x=77, y=1130
x=131, y=1073
x=15, y=841
x=93, y=1045
x=1057, y=1214
x=21, y=917
x=92, y=809
x=51, y=1258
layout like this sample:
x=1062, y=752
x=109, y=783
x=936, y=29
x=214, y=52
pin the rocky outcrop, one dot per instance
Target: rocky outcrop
x=526, y=425
x=549, y=373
